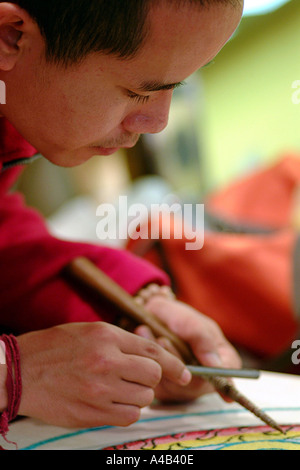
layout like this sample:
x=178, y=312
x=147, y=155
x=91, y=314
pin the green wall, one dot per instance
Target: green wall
x=249, y=116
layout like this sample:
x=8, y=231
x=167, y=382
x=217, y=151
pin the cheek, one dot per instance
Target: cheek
x=76, y=123
x=74, y=111
x=93, y=117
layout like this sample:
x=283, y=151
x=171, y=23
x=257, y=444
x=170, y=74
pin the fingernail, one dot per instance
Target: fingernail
x=211, y=359
x=186, y=377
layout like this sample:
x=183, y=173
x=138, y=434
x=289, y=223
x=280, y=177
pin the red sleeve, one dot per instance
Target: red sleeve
x=33, y=292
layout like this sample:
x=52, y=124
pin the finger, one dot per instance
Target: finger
x=215, y=351
x=168, y=346
x=198, y=386
x=230, y=356
x=135, y=395
x=141, y=370
x=165, y=343
x=210, y=359
x=169, y=392
x=145, y=332
x=213, y=359
x=172, y=367
x=115, y=414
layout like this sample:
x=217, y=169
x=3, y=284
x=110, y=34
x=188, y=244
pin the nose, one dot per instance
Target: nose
x=151, y=117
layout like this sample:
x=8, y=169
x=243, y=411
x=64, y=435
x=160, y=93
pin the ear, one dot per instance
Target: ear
x=15, y=25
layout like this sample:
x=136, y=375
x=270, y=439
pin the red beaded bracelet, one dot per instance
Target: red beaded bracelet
x=13, y=383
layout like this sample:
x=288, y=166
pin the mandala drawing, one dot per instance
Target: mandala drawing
x=244, y=438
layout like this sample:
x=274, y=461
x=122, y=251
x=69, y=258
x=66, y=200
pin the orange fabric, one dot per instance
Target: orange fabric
x=264, y=198
x=243, y=281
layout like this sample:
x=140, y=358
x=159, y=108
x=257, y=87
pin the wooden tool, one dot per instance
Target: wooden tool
x=83, y=270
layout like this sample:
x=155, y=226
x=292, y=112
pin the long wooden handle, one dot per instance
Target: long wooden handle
x=87, y=273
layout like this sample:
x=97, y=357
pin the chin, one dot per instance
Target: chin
x=104, y=150
x=73, y=158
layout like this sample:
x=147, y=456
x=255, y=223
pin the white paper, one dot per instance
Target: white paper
x=277, y=394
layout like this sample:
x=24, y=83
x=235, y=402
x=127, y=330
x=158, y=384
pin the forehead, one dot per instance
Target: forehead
x=179, y=41
x=182, y=39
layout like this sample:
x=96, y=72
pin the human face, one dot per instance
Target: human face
x=106, y=103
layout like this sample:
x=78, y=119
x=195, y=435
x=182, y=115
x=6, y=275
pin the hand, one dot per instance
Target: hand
x=205, y=339
x=92, y=374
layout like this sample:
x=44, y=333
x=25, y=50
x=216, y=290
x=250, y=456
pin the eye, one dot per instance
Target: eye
x=138, y=98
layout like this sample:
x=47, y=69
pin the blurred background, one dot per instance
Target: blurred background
x=233, y=117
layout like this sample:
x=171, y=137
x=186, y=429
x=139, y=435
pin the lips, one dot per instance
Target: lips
x=111, y=150
x=121, y=144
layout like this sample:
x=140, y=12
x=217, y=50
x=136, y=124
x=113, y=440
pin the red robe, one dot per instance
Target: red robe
x=33, y=292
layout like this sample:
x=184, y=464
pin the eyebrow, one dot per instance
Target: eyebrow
x=157, y=86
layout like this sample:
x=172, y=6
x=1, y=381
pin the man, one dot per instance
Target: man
x=83, y=79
